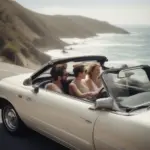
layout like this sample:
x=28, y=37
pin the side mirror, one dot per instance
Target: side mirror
x=27, y=81
x=103, y=103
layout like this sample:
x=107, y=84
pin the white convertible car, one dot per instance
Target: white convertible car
x=119, y=120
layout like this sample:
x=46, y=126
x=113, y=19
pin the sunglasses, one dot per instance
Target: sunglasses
x=84, y=71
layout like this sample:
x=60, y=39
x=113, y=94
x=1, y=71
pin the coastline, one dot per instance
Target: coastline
x=27, y=35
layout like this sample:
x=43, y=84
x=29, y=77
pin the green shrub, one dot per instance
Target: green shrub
x=14, y=48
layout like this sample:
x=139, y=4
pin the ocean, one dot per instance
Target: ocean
x=133, y=48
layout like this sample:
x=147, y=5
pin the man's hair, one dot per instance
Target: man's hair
x=56, y=72
x=78, y=69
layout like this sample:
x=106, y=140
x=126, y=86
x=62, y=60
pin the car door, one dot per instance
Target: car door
x=114, y=132
x=63, y=117
x=119, y=130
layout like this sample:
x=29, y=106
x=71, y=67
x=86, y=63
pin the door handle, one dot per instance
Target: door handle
x=28, y=99
x=19, y=95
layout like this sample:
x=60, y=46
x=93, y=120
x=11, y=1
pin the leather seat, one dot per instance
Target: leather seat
x=44, y=83
x=66, y=86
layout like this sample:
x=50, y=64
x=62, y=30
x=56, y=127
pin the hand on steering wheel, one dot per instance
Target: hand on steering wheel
x=102, y=93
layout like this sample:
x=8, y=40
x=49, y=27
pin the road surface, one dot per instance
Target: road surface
x=31, y=142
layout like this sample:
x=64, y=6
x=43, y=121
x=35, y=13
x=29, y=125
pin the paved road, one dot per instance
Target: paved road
x=31, y=142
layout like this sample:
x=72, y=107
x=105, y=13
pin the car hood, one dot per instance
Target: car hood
x=17, y=79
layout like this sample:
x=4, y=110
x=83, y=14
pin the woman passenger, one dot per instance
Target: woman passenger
x=77, y=87
x=92, y=78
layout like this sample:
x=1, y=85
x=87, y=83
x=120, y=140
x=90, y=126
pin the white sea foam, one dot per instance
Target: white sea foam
x=118, y=63
x=57, y=53
x=118, y=48
x=72, y=40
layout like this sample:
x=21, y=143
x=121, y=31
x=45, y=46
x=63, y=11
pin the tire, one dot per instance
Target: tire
x=11, y=121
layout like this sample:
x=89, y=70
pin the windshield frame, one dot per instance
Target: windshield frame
x=146, y=68
x=115, y=106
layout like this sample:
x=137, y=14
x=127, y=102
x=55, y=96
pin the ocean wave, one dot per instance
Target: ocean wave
x=132, y=49
x=111, y=34
x=129, y=62
x=140, y=34
x=73, y=40
x=136, y=33
x=57, y=53
x=103, y=44
x=115, y=59
x=115, y=44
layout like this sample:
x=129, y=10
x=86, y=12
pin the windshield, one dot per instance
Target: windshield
x=129, y=88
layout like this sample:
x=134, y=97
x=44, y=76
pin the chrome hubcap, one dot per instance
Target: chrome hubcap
x=10, y=118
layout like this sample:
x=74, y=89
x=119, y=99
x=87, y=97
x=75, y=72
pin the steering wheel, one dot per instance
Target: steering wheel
x=102, y=93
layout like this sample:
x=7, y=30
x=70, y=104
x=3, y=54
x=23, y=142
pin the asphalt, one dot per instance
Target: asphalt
x=33, y=141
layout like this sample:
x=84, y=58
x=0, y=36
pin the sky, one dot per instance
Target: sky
x=114, y=11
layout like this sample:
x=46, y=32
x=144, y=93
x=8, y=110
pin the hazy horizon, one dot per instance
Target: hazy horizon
x=129, y=12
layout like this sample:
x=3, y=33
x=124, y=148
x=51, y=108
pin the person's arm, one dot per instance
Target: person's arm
x=52, y=87
x=91, y=87
x=89, y=84
x=96, y=92
x=77, y=92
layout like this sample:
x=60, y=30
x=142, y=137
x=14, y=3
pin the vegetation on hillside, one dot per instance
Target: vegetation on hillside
x=22, y=31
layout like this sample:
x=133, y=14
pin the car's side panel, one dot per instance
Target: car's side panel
x=67, y=119
x=18, y=97
x=52, y=114
x=118, y=132
x=12, y=93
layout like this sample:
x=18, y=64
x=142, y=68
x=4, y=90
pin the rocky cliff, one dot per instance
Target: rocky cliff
x=23, y=31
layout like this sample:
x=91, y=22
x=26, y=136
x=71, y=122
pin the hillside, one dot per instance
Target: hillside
x=22, y=31
x=15, y=46
x=78, y=26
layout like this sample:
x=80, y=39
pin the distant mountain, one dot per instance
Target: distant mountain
x=78, y=26
x=22, y=31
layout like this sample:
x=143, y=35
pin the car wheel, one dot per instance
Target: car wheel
x=12, y=121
